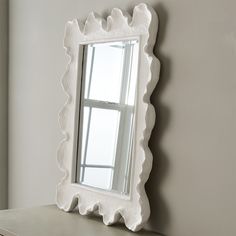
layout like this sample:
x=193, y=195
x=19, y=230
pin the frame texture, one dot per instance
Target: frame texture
x=134, y=209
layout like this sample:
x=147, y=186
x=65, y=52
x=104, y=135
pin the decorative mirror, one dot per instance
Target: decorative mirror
x=107, y=118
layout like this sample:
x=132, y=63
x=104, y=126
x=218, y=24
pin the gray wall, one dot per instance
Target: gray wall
x=3, y=101
x=192, y=187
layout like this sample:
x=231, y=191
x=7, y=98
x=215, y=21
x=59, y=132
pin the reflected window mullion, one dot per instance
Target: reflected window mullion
x=98, y=166
x=103, y=104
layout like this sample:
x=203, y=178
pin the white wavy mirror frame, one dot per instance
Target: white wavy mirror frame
x=110, y=77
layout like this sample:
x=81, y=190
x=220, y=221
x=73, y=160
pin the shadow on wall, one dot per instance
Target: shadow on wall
x=160, y=214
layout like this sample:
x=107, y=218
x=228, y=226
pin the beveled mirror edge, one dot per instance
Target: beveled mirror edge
x=135, y=210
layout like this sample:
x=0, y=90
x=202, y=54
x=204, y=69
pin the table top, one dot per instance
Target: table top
x=49, y=221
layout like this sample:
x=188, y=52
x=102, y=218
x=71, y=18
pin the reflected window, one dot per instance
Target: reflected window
x=107, y=115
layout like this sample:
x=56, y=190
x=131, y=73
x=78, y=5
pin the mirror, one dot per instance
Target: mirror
x=107, y=115
x=107, y=118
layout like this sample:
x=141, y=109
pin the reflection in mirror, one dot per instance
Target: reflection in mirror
x=106, y=120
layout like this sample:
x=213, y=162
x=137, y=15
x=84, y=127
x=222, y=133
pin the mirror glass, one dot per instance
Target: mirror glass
x=107, y=115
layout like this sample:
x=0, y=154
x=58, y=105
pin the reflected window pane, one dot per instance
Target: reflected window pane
x=102, y=136
x=98, y=177
x=103, y=80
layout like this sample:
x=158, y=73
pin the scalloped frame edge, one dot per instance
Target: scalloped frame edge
x=135, y=209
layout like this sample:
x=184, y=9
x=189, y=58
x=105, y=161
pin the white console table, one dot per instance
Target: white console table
x=50, y=221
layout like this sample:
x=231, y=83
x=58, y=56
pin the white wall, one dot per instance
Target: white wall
x=3, y=101
x=192, y=187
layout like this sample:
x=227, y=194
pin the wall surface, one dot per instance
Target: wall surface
x=3, y=101
x=192, y=187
